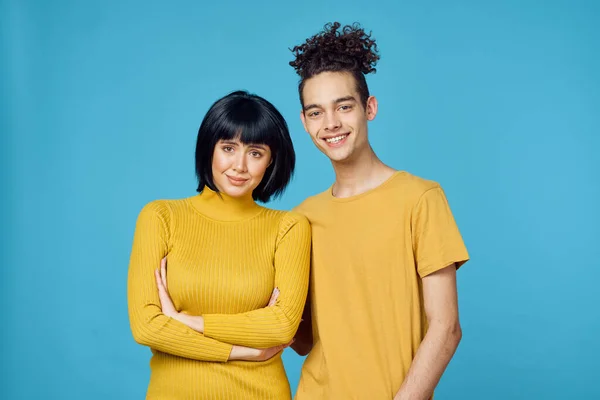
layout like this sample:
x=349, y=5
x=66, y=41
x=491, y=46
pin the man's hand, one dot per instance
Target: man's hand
x=442, y=337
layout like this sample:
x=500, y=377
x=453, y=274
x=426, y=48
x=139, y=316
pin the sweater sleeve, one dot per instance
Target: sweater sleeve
x=150, y=327
x=275, y=325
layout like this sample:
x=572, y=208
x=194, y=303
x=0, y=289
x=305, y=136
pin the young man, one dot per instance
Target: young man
x=383, y=301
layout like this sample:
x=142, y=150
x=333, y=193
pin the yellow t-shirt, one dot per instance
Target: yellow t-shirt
x=225, y=256
x=369, y=253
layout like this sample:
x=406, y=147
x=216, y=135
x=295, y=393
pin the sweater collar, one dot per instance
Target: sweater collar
x=222, y=207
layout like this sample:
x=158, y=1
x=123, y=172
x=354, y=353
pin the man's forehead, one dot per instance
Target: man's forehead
x=328, y=88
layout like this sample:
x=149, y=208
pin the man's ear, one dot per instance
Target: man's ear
x=371, y=108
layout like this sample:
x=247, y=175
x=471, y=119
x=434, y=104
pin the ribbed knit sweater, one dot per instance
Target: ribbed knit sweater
x=225, y=256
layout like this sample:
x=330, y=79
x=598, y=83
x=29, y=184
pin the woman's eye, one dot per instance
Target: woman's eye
x=255, y=154
x=228, y=149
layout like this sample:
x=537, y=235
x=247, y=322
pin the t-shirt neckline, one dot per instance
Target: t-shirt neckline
x=363, y=194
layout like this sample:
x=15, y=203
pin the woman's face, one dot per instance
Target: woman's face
x=238, y=168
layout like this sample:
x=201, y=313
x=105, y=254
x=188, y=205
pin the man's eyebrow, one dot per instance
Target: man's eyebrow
x=308, y=107
x=336, y=101
x=346, y=98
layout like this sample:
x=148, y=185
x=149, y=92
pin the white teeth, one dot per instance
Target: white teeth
x=336, y=139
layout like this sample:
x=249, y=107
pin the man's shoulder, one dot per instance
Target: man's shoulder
x=412, y=184
x=404, y=189
x=312, y=202
x=402, y=186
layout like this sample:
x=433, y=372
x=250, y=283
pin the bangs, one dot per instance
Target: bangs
x=249, y=124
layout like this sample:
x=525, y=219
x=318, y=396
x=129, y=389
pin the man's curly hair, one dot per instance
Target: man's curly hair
x=349, y=49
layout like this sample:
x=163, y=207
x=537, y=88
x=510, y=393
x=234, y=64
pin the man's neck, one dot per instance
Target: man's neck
x=359, y=175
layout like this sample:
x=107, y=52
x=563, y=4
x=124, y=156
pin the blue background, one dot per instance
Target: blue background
x=497, y=100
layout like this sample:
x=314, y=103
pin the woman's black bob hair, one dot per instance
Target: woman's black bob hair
x=252, y=120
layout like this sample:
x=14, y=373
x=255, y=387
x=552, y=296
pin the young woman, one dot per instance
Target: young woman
x=237, y=271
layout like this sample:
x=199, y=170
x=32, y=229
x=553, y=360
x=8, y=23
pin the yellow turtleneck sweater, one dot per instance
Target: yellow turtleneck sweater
x=225, y=256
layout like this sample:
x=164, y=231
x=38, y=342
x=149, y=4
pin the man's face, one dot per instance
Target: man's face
x=334, y=116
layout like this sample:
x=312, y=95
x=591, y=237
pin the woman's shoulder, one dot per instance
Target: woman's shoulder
x=164, y=205
x=283, y=215
x=285, y=219
x=166, y=209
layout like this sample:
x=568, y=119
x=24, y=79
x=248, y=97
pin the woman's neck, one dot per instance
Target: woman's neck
x=222, y=207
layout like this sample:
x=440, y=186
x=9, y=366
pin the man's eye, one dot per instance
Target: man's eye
x=345, y=108
x=314, y=114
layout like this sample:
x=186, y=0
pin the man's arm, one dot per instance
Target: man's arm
x=303, y=341
x=441, y=340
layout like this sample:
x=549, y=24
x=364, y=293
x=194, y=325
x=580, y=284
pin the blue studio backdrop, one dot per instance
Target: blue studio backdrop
x=497, y=100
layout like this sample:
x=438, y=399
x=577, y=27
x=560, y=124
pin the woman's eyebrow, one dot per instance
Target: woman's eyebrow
x=258, y=146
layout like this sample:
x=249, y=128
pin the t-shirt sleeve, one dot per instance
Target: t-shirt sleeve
x=437, y=242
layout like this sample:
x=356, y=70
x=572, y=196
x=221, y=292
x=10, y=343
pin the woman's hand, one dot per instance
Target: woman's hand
x=273, y=298
x=242, y=353
x=166, y=304
x=239, y=353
